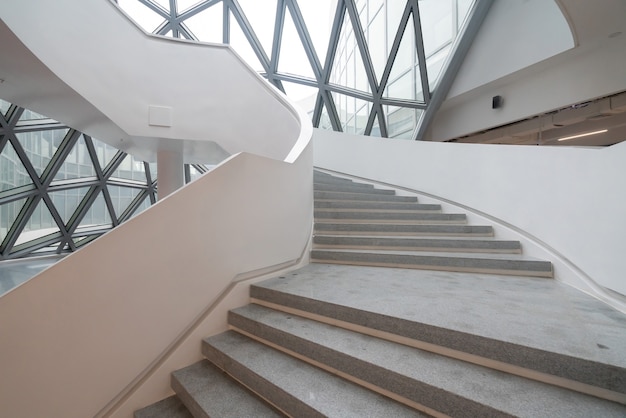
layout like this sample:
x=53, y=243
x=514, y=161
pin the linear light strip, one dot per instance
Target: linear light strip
x=581, y=135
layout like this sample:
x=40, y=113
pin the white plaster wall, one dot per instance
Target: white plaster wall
x=75, y=336
x=509, y=60
x=95, y=52
x=570, y=199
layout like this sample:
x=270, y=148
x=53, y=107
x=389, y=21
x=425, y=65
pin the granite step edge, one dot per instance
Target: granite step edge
x=443, y=384
x=296, y=387
x=207, y=391
x=580, y=374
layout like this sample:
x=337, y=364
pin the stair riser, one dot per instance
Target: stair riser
x=389, y=216
x=469, y=265
x=402, y=229
x=361, y=371
x=291, y=405
x=353, y=189
x=503, y=247
x=386, y=206
x=327, y=195
x=607, y=378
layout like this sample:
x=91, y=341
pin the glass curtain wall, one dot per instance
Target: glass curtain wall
x=60, y=189
x=357, y=66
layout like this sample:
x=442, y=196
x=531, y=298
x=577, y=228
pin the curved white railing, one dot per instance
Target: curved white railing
x=98, y=333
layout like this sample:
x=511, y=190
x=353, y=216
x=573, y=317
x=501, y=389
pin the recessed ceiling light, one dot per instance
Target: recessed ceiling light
x=581, y=135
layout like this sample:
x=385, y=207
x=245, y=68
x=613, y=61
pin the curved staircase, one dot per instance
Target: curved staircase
x=429, y=333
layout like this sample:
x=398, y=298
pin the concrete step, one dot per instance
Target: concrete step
x=449, y=386
x=535, y=328
x=416, y=244
x=326, y=178
x=296, y=387
x=389, y=217
x=351, y=188
x=338, y=228
x=207, y=391
x=387, y=206
x=510, y=264
x=338, y=195
x=171, y=407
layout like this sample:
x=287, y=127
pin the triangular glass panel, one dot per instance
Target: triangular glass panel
x=165, y=4
x=357, y=115
x=348, y=69
x=97, y=215
x=404, y=80
x=49, y=249
x=104, y=152
x=395, y=10
x=122, y=197
x=262, y=18
x=145, y=17
x=207, y=25
x=240, y=44
x=304, y=96
x=153, y=171
x=131, y=169
x=325, y=120
x=293, y=58
x=437, y=25
x=30, y=115
x=14, y=173
x=318, y=18
x=193, y=173
x=144, y=205
x=375, y=34
x=8, y=215
x=40, y=224
x=401, y=121
x=66, y=201
x=4, y=108
x=40, y=146
x=183, y=5
x=434, y=65
x=77, y=164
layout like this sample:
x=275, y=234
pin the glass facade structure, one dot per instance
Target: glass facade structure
x=357, y=66
x=60, y=188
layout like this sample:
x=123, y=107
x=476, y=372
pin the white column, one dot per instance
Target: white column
x=170, y=172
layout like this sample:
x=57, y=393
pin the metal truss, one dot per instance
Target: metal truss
x=39, y=198
x=346, y=11
x=36, y=197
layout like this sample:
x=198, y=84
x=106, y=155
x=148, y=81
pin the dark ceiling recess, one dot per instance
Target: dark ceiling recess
x=606, y=114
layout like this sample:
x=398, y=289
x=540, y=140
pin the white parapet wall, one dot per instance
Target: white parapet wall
x=568, y=201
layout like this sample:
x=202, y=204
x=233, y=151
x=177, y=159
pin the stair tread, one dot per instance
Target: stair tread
x=385, y=362
x=208, y=391
x=170, y=407
x=489, y=256
x=319, y=390
x=400, y=228
x=488, y=316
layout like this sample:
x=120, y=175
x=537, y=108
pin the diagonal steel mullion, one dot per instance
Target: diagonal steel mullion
x=452, y=64
x=249, y=33
x=65, y=235
x=225, y=23
x=163, y=28
x=305, y=39
x=279, y=24
x=357, y=30
x=134, y=205
x=14, y=116
x=395, y=46
x=108, y=201
x=333, y=41
x=65, y=148
x=187, y=33
x=421, y=55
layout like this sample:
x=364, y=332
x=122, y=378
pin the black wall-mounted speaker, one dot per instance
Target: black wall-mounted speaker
x=496, y=102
